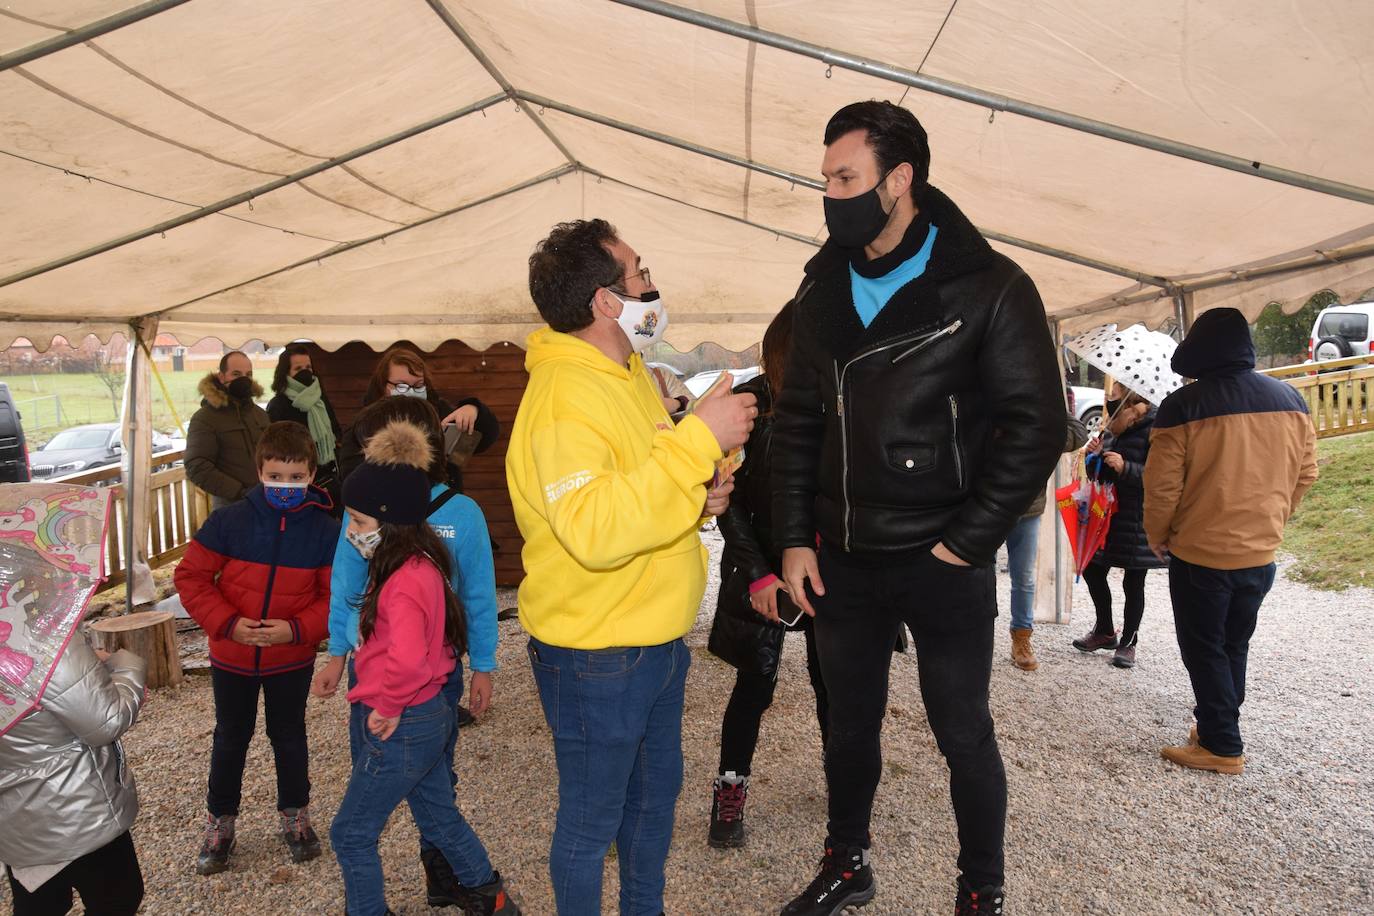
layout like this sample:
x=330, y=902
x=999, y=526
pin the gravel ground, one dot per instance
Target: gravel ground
x=1098, y=823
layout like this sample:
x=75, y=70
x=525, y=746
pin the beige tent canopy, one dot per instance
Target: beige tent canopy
x=376, y=169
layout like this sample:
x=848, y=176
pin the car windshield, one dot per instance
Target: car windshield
x=1350, y=325
x=78, y=438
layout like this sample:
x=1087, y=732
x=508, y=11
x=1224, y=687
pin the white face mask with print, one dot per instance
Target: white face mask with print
x=643, y=320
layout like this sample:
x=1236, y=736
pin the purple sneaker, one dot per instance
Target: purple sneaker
x=1094, y=640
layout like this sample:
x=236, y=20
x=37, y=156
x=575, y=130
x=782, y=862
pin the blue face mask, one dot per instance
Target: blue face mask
x=284, y=495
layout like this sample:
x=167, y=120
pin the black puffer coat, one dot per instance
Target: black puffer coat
x=1127, y=547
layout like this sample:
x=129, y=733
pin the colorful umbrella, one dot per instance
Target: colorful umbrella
x=52, y=539
x=1137, y=358
x=1086, y=508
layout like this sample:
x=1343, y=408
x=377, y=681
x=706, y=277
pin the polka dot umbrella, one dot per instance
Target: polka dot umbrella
x=1135, y=357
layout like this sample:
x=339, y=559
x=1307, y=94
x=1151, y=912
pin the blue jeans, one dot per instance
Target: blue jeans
x=452, y=692
x=1215, y=614
x=1021, y=549
x=616, y=719
x=408, y=766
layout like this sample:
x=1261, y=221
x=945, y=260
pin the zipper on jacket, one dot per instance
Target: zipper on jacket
x=267, y=593
x=954, y=438
x=946, y=331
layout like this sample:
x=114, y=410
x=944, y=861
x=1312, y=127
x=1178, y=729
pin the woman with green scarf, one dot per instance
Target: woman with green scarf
x=300, y=399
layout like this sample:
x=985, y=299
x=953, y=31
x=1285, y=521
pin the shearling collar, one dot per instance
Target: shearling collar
x=213, y=394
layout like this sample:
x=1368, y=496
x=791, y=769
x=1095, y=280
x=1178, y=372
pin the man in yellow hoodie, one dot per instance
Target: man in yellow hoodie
x=608, y=494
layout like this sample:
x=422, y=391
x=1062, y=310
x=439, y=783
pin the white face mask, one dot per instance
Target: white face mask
x=365, y=544
x=643, y=320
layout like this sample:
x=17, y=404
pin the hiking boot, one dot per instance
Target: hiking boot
x=219, y=842
x=491, y=899
x=727, y=811
x=442, y=888
x=1124, y=657
x=846, y=879
x=299, y=835
x=1197, y=757
x=1094, y=640
x=1022, y=655
x=981, y=901
x=465, y=717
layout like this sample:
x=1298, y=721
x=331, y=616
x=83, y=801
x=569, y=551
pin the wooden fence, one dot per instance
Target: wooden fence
x=1338, y=397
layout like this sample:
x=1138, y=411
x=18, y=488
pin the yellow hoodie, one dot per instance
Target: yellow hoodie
x=608, y=495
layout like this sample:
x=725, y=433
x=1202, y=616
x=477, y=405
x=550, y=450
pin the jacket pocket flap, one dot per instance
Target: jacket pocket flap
x=915, y=459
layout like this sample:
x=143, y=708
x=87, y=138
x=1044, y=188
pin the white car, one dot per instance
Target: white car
x=699, y=383
x=1087, y=406
x=1341, y=331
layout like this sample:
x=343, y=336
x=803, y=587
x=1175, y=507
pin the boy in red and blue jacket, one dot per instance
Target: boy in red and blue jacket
x=256, y=578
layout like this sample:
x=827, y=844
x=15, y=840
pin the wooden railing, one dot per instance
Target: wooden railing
x=176, y=508
x=1338, y=396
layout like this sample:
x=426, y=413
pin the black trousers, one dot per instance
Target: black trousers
x=1215, y=614
x=108, y=880
x=1133, y=583
x=950, y=611
x=236, y=716
x=753, y=694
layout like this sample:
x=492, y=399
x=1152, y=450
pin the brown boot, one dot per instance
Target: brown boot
x=1197, y=757
x=1022, y=655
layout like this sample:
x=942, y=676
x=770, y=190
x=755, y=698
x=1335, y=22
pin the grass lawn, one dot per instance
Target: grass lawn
x=83, y=398
x=1333, y=528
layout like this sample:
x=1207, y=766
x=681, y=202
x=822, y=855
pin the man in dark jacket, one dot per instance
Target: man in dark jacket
x=914, y=343
x=222, y=437
x=1231, y=456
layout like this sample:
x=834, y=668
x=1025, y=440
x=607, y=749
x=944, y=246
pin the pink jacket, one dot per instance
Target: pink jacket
x=405, y=662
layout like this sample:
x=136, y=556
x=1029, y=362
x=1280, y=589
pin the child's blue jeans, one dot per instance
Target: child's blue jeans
x=408, y=766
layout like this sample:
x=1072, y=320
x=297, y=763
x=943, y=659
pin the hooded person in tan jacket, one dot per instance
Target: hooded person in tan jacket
x=1231, y=456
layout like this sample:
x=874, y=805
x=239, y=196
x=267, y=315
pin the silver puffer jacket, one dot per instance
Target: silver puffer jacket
x=64, y=787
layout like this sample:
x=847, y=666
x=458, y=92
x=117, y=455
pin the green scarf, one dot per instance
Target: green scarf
x=309, y=400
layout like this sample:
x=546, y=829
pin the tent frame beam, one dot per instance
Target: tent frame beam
x=815, y=185
x=554, y=175
x=245, y=196
x=998, y=102
x=86, y=33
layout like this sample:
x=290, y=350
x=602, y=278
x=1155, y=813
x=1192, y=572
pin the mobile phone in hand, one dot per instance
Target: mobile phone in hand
x=789, y=612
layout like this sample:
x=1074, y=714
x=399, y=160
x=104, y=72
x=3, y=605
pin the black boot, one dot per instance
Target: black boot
x=727, y=811
x=978, y=901
x=846, y=879
x=491, y=899
x=442, y=888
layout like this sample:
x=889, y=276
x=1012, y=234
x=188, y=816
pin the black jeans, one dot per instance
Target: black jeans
x=753, y=694
x=1215, y=613
x=236, y=715
x=108, y=880
x=950, y=611
x=1133, y=584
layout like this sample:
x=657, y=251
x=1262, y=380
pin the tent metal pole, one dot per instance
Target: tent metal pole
x=86, y=33
x=358, y=243
x=998, y=102
x=245, y=196
x=812, y=183
x=495, y=73
x=1183, y=313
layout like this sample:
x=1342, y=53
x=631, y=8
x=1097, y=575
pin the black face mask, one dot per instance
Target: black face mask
x=856, y=221
x=240, y=388
x=305, y=377
x=1112, y=407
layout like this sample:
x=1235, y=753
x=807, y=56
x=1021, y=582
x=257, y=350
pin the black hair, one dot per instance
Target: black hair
x=398, y=544
x=224, y=360
x=568, y=267
x=893, y=133
x=284, y=364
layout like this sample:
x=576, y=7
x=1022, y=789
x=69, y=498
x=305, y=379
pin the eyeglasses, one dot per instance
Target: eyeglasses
x=403, y=388
x=642, y=274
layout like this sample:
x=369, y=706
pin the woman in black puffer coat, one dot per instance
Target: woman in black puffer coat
x=1124, y=447
x=750, y=588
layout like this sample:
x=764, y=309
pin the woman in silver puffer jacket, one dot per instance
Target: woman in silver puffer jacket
x=67, y=799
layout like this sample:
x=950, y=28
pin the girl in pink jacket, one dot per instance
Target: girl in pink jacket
x=412, y=630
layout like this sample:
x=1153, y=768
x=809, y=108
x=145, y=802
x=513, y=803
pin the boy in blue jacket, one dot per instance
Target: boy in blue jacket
x=459, y=522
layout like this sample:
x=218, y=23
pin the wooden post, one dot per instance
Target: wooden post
x=151, y=635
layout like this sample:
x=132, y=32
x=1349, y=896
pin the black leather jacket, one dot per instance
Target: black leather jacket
x=884, y=437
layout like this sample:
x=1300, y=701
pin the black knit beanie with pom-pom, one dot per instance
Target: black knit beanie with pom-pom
x=392, y=483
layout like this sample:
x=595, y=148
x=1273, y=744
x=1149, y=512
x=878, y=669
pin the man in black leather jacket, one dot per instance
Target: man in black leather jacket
x=914, y=341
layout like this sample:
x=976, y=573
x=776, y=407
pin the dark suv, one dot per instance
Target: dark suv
x=14, y=453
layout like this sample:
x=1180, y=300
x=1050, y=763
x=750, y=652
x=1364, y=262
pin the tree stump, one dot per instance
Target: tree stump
x=151, y=635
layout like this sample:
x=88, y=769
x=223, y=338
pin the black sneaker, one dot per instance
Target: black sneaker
x=299, y=835
x=846, y=879
x=982, y=901
x=218, y=843
x=465, y=717
x=727, y=811
x=491, y=899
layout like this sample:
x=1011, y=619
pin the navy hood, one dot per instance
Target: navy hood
x=1218, y=342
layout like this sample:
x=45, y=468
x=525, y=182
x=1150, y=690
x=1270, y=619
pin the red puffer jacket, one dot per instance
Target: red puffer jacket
x=253, y=561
